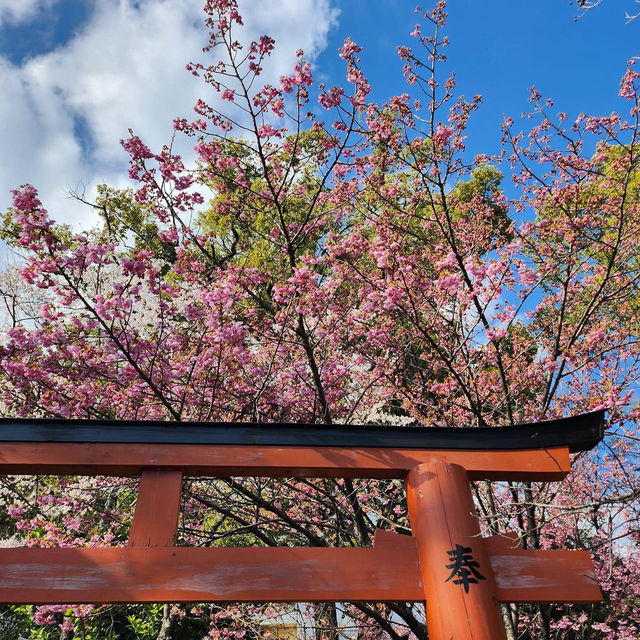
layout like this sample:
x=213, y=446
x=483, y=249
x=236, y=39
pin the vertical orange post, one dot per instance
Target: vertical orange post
x=458, y=582
x=155, y=520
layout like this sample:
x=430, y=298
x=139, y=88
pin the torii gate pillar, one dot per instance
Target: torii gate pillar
x=456, y=574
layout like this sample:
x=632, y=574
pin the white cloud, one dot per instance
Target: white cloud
x=18, y=11
x=124, y=68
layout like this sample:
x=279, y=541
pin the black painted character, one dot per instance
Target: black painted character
x=463, y=567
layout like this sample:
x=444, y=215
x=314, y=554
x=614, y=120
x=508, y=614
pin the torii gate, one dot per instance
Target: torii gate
x=463, y=576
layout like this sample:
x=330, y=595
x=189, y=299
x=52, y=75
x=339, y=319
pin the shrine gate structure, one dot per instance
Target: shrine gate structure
x=462, y=576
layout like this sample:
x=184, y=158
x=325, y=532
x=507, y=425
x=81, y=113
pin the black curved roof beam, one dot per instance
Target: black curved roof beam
x=578, y=433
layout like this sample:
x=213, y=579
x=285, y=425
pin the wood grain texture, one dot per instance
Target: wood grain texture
x=388, y=572
x=543, y=576
x=200, y=575
x=270, y=461
x=521, y=575
x=155, y=520
x=460, y=590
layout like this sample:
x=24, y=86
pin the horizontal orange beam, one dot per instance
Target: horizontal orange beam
x=543, y=576
x=522, y=575
x=118, y=459
x=387, y=572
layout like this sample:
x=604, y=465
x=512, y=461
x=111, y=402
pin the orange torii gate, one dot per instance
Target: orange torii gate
x=462, y=576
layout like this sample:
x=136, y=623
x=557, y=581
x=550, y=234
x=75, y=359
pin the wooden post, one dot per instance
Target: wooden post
x=155, y=520
x=457, y=576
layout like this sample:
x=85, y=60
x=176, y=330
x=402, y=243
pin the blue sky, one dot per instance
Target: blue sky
x=498, y=49
x=50, y=26
x=76, y=74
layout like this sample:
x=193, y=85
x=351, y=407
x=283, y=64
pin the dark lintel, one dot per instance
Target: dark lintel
x=579, y=433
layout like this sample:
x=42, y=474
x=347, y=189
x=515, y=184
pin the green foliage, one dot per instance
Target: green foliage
x=126, y=222
x=484, y=189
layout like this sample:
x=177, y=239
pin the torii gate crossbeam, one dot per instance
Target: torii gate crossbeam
x=462, y=576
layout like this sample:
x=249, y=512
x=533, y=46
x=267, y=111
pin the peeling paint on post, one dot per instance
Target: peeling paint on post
x=457, y=576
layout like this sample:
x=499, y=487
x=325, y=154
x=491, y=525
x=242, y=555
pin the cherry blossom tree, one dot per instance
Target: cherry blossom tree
x=586, y=5
x=333, y=260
